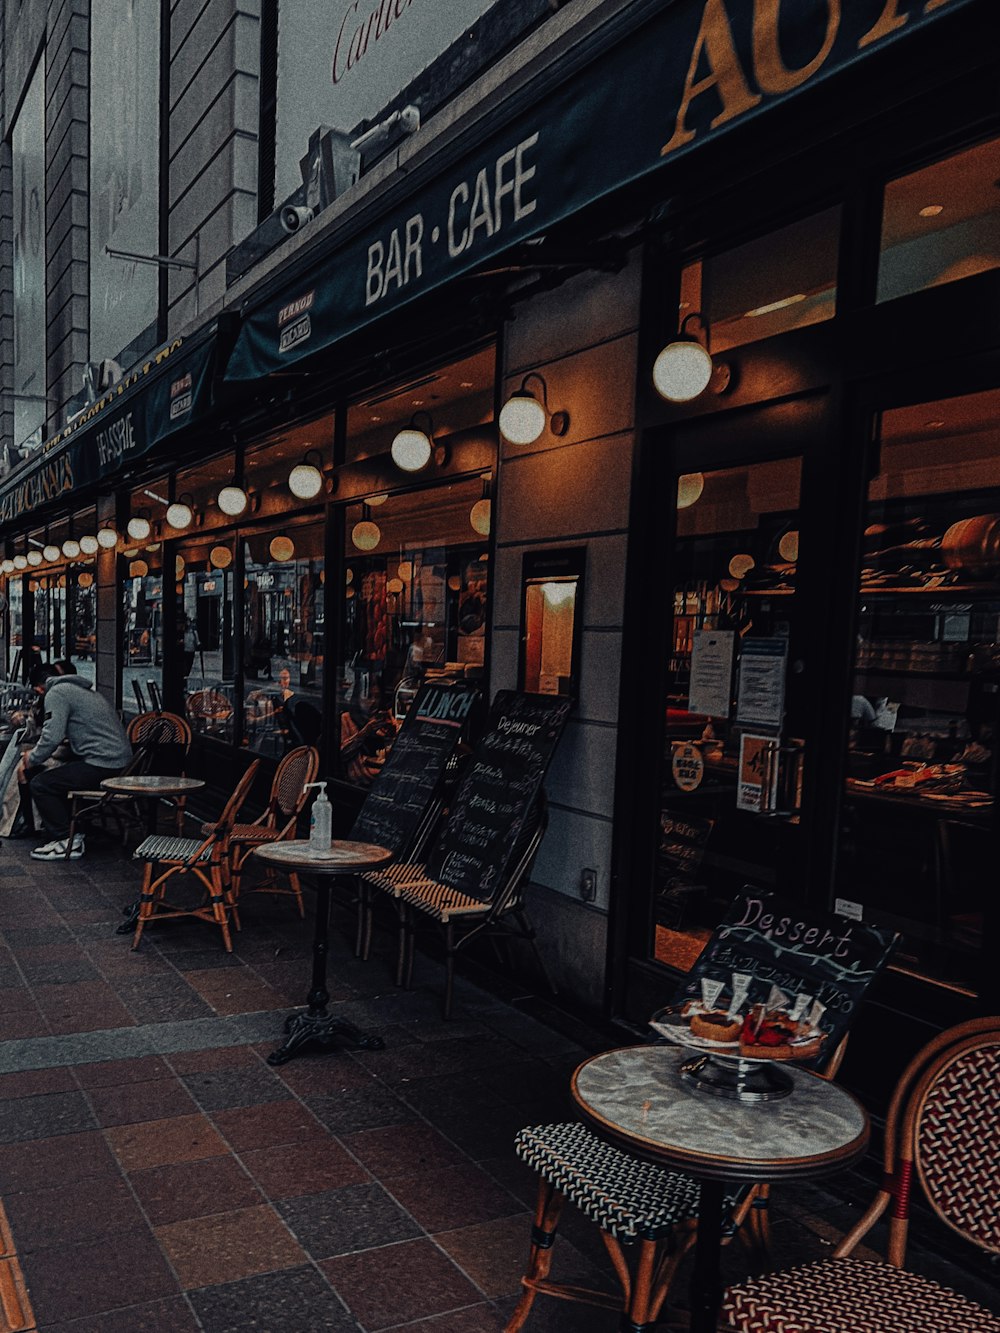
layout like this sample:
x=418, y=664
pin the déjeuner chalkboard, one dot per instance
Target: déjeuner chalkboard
x=776, y=943
x=496, y=793
x=403, y=790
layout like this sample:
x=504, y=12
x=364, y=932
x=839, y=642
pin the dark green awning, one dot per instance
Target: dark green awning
x=169, y=391
x=688, y=74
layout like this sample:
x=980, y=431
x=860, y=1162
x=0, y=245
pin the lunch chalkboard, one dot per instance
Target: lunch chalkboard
x=776, y=943
x=499, y=786
x=400, y=795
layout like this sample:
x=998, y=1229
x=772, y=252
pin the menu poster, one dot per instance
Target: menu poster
x=710, y=690
x=757, y=787
x=777, y=943
x=682, y=848
x=496, y=793
x=402, y=791
x=760, y=701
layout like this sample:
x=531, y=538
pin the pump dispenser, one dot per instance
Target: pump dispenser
x=321, y=820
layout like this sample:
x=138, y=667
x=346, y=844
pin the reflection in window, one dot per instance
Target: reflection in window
x=15, y=593
x=781, y=281
x=284, y=638
x=82, y=594
x=416, y=599
x=205, y=589
x=920, y=774
x=941, y=223
x=142, y=607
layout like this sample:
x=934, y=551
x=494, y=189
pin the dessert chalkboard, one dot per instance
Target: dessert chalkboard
x=401, y=793
x=501, y=782
x=775, y=943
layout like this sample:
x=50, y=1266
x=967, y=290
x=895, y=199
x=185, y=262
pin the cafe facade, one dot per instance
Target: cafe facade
x=438, y=433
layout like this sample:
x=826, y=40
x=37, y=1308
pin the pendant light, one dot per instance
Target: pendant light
x=21, y=560
x=35, y=557
x=7, y=566
x=221, y=557
x=524, y=416
x=281, y=549
x=366, y=535
x=481, y=513
x=412, y=447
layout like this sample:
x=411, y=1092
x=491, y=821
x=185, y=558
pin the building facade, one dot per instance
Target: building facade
x=289, y=493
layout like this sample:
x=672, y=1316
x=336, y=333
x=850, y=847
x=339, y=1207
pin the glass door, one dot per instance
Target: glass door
x=732, y=761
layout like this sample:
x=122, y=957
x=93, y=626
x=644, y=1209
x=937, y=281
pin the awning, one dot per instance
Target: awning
x=691, y=72
x=169, y=391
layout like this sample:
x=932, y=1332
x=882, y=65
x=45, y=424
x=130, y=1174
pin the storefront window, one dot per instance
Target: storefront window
x=941, y=223
x=917, y=830
x=82, y=596
x=284, y=637
x=781, y=281
x=205, y=590
x=731, y=768
x=15, y=595
x=142, y=610
x=416, y=601
x=49, y=640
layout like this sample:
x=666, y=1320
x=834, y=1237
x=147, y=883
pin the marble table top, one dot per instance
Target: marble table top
x=636, y=1097
x=344, y=857
x=150, y=784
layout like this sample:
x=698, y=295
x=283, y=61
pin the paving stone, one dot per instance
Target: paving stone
x=65, y=1158
x=358, y=1217
x=267, y=1125
x=229, y=1245
x=446, y=1198
x=185, y=1138
x=400, y=1150
x=361, y=1108
x=97, y=1206
x=222, y=1088
x=167, y=1316
x=68, y=1282
x=118, y=1073
x=296, y=1301
x=307, y=1167
x=158, y=1099
x=395, y=1284
x=194, y=1189
x=40, y=1117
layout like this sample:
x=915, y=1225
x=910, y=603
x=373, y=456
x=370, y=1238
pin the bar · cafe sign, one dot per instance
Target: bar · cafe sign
x=682, y=77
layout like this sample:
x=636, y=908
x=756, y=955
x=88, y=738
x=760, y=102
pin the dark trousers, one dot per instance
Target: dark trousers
x=50, y=789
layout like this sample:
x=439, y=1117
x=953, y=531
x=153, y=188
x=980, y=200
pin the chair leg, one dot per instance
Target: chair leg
x=548, y=1208
x=217, y=898
x=293, y=880
x=145, y=904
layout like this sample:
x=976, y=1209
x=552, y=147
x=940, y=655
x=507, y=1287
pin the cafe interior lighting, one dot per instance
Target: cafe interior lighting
x=7, y=566
x=88, y=544
x=221, y=557
x=379, y=499
x=233, y=500
x=180, y=513
x=107, y=538
x=366, y=535
x=412, y=447
x=139, y=527
x=281, y=549
x=683, y=369
x=788, y=546
x=690, y=486
x=394, y=586
x=524, y=416
x=772, y=306
x=71, y=548
x=85, y=579
x=51, y=552
x=481, y=513
x=740, y=565
x=35, y=557
x=306, y=480
x=138, y=569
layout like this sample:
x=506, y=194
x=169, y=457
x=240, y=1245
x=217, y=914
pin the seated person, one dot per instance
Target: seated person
x=99, y=747
x=17, y=818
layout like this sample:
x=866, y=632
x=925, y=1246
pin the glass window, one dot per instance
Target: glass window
x=416, y=608
x=142, y=610
x=284, y=637
x=205, y=588
x=917, y=826
x=82, y=596
x=15, y=593
x=49, y=591
x=268, y=466
x=781, y=281
x=941, y=223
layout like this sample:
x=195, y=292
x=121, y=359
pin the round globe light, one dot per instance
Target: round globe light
x=88, y=544
x=20, y=561
x=139, y=528
x=366, y=535
x=788, y=546
x=221, y=557
x=282, y=549
x=394, y=585
x=689, y=489
x=522, y=418
x=741, y=565
x=35, y=556
x=52, y=552
x=85, y=579
x=71, y=548
x=305, y=481
x=107, y=538
x=411, y=450
x=376, y=500
x=138, y=569
x=233, y=500
x=682, y=371
x=180, y=515
x=480, y=515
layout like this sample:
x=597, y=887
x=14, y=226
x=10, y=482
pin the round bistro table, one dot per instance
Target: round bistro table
x=343, y=858
x=637, y=1098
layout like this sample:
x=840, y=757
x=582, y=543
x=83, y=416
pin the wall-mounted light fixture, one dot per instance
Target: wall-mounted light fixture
x=306, y=479
x=107, y=538
x=51, y=551
x=412, y=447
x=139, y=526
x=684, y=368
x=89, y=544
x=524, y=417
x=20, y=561
x=71, y=548
x=180, y=512
x=233, y=499
x=35, y=557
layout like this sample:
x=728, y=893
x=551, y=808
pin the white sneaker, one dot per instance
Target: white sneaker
x=56, y=850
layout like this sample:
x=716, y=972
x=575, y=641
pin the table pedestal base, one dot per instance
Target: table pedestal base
x=739, y=1080
x=326, y=1031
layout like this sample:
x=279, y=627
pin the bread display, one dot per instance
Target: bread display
x=716, y=1026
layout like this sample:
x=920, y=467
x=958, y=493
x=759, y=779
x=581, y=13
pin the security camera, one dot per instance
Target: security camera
x=295, y=216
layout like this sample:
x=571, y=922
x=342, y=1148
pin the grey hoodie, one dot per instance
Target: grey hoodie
x=77, y=714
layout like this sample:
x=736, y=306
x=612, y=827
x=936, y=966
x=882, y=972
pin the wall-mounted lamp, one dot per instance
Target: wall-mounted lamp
x=684, y=368
x=107, y=538
x=481, y=513
x=35, y=557
x=7, y=566
x=366, y=535
x=71, y=548
x=139, y=527
x=523, y=417
x=20, y=561
x=412, y=447
x=233, y=499
x=306, y=479
x=180, y=512
x=690, y=486
x=89, y=544
x=51, y=551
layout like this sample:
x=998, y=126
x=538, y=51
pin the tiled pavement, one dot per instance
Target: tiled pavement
x=159, y=1177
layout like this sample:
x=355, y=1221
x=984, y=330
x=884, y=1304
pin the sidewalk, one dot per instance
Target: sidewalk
x=159, y=1177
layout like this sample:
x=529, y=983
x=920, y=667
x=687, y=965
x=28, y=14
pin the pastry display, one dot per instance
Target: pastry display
x=784, y=1027
x=716, y=1026
x=778, y=1038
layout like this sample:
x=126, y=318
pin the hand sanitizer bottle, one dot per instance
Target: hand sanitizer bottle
x=321, y=820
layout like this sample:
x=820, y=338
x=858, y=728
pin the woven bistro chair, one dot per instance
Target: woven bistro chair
x=166, y=738
x=462, y=918
x=942, y=1135
x=633, y=1203
x=167, y=858
x=278, y=822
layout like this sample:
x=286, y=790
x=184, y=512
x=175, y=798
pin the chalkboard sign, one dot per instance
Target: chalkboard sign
x=499, y=786
x=399, y=797
x=776, y=943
